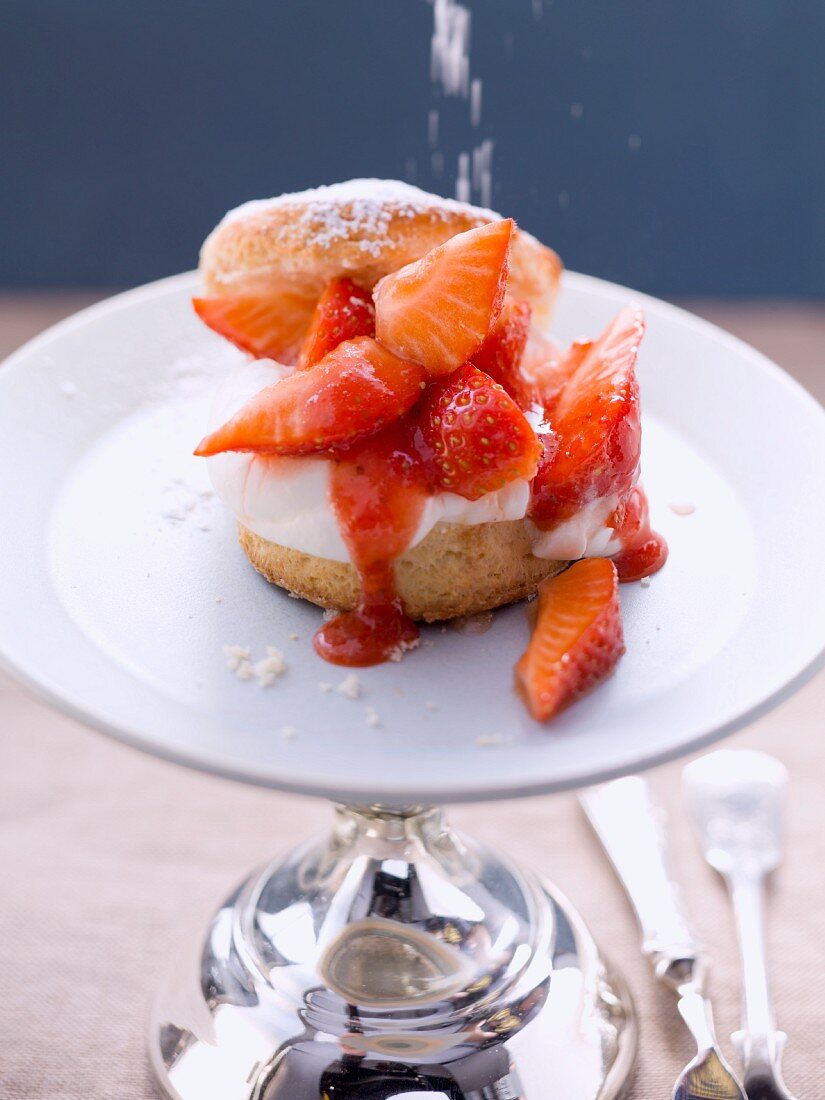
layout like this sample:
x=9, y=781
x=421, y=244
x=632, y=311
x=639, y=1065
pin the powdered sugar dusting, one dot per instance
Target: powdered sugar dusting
x=360, y=211
x=182, y=502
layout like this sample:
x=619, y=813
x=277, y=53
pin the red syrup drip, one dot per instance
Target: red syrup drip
x=378, y=489
x=643, y=551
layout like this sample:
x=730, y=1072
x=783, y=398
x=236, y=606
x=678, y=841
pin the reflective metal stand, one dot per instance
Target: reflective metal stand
x=394, y=960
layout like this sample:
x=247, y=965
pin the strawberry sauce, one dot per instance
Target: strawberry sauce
x=377, y=490
x=644, y=552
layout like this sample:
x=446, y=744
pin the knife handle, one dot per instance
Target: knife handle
x=631, y=830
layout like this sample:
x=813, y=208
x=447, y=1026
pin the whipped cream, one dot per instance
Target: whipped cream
x=584, y=535
x=286, y=500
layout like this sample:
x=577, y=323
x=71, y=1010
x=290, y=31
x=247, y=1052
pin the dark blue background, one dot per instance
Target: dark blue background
x=129, y=126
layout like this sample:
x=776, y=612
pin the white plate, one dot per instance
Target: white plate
x=120, y=585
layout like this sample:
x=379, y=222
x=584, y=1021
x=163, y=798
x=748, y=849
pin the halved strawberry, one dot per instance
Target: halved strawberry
x=596, y=421
x=604, y=361
x=354, y=391
x=344, y=311
x=577, y=639
x=438, y=310
x=475, y=434
x=269, y=325
x=502, y=352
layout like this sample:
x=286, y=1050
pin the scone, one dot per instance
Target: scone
x=436, y=579
x=408, y=442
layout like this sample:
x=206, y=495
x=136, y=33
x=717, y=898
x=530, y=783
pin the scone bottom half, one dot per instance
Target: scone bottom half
x=457, y=570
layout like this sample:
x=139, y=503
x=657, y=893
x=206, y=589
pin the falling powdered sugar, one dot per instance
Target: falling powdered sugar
x=475, y=102
x=450, y=78
x=462, y=183
x=450, y=47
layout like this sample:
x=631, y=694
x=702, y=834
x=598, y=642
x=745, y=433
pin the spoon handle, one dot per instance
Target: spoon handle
x=747, y=895
x=630, y=828
x=759, y=1043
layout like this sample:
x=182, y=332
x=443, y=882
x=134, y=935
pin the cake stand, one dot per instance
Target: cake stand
x=391, y=959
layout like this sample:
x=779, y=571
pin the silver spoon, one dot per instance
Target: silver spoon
x=630, y=828
x=736, y=798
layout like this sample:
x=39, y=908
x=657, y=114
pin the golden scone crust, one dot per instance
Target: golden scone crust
x=294, y=244
x=457, y=569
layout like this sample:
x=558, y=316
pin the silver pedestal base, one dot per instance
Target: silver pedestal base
x=394, y=960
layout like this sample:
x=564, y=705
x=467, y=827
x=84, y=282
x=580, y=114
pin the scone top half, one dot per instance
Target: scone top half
x=292, y=245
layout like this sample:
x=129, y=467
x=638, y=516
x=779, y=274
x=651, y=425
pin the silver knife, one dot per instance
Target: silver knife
x=631, y=830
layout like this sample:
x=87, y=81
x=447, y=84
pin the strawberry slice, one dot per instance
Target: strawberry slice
x=475, y=434
x=268, y=326
x=577, y=639
x=549, y=374
x=502, y=353
x=344, y=311
x=540, y=349
x=596, y=422
x=353, y=392
x=438, y=310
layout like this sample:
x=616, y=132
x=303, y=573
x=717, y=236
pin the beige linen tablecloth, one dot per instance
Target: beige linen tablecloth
x=109, y=859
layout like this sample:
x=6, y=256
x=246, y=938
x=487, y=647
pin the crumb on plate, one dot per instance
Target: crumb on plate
x=350, y=687
x=269, y=668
